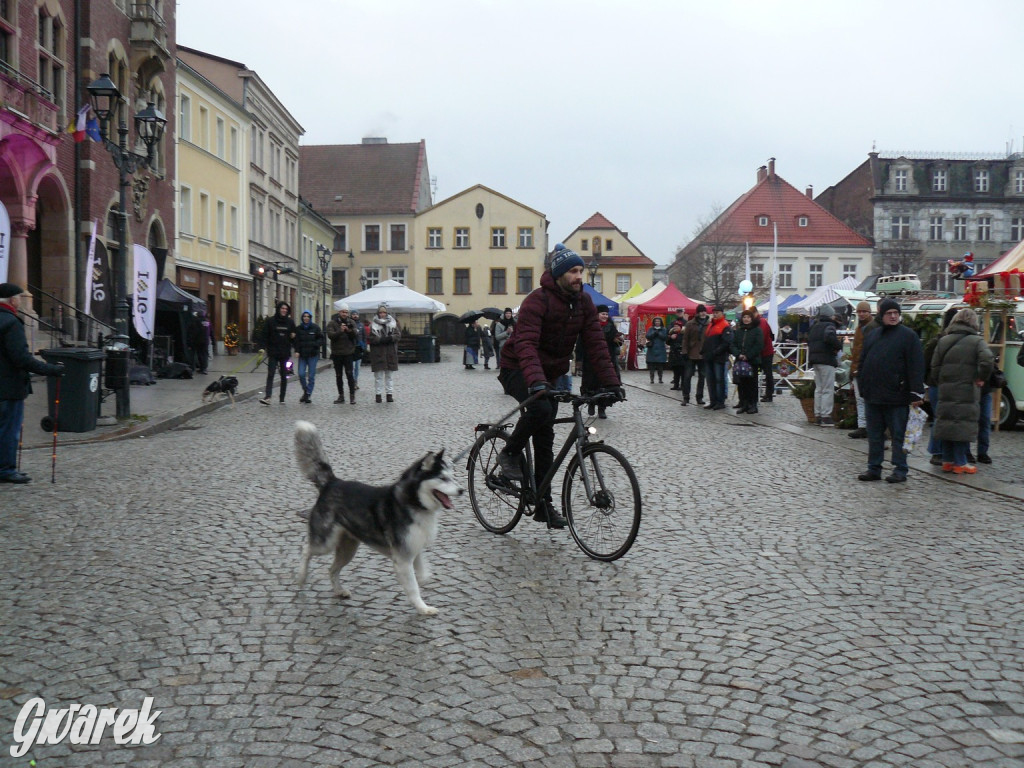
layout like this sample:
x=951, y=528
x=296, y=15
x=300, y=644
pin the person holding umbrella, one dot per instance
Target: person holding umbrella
x=16, y=363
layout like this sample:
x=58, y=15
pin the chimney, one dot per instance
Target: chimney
x=771, y=167
x=375, y=140
x=810, y=191
x=762, y=174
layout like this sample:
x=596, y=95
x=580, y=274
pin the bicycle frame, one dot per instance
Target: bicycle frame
x=578, y=437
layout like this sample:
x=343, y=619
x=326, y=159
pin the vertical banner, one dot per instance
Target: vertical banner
x=144, y=298
x=101, y=301
x=5, y=242
x=89, y=274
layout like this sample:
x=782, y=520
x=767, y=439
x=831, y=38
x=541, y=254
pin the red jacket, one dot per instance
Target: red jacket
x=768, y=350
x=549, y=322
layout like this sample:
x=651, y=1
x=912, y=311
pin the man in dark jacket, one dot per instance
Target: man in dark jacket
x=16, y=363
x=550, y=319
x=308, y=340
x=278, y=333
x=715, y=352
x=890, y=376
x=823, y=346
x=199, y=330
x=693, y=344
x=344, y=333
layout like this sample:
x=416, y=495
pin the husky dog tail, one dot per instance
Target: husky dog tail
x=309, y=452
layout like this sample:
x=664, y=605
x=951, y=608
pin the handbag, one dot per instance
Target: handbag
x=996, y=379
x=741, y=369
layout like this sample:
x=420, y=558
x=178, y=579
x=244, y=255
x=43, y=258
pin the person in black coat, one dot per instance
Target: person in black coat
x=308, y=341
x=16, y=363
x=472, y=341
x=278, y=334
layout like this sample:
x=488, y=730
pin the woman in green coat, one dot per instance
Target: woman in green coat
x=747, y=341
x=960, y=366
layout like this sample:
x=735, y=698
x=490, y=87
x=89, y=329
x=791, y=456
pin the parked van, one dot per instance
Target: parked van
x=897, y=285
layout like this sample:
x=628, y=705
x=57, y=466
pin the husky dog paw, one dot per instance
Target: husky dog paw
x=342, y=593
x=427, y=610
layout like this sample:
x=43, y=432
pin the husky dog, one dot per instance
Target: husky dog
x=398, y=520
x=225, y=385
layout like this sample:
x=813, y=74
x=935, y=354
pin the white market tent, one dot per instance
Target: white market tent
x=398, y=298
x=826, y=294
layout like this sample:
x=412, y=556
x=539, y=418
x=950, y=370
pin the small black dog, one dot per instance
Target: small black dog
x=226, y=385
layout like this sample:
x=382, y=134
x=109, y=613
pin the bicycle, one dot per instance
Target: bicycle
x=600, y=493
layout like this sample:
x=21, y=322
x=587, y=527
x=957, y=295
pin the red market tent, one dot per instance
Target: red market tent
x=663, y=305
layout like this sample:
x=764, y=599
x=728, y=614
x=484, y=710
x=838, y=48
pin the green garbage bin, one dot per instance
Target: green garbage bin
x=425, y=349
x=79, y=388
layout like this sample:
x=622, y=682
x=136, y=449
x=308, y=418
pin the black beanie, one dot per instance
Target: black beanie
x=886, y=304
x=7, y=290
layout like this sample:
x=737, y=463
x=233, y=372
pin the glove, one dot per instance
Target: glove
x=541, y=387
x=60, y=370
x=619, y=392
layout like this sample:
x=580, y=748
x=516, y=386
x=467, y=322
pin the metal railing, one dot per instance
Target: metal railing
x=64, y=323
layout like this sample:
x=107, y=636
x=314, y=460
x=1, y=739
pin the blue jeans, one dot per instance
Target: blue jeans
x=307, y=364
x=357, y=360
x=934, y=446
x=12, y=413
x=955, y=452
x=714, y=375
x=984, y=423
x=878, y=418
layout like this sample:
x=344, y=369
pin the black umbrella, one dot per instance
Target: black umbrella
x=471, y=317
x=493, y=313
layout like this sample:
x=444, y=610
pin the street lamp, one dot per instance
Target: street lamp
x=323, y=254
x=149, y=126
x=592, y=268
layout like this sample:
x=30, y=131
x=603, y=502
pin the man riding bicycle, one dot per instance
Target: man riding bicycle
x=550, y=320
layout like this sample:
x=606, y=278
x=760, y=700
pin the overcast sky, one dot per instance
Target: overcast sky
x=649, y=111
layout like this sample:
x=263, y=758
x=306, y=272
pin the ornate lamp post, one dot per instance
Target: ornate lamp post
x=323, y=255
x=106, y=99
x=592, y=268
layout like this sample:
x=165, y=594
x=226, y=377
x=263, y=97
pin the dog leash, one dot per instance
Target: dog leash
x=519, y=406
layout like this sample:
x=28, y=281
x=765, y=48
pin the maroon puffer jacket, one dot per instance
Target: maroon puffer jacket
x=545, y=333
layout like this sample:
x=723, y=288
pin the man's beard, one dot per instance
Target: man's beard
x=568, y=286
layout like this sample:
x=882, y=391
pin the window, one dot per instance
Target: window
x=599, y=283
x=185, y=119
x=8, y=48
x=900, y=227
x=526, y=237
x=221, y=146
x=622, y=283
x=940, y=278
x=984, y=227
x=762, y=221
x=222, y=221
x=802, y=221
x=397, y=236
x=785, y=279
x=939, y=180
x=1017, y=229
x=498, y=281
x=397, y=274
x=584, y=244
x=981, y=181
x=850, y=270
x=462, y=237
x=1018, y=182
x=434, y=237
x=815, y=275
x=233, y=223
x=756, y=274
x=185, y=209
x=204, y=128
x=607, y=245
x=340, y=237
x=339, y=282
x=51, y=48
x=524, y=279
x=900, y=180
x=204, y=215
x=435, y=283
x=371, y=237
x=935, y=228
x=461, y=281
x=497, y=237
x=960, y=228
x=372, y=276
x=233, y=146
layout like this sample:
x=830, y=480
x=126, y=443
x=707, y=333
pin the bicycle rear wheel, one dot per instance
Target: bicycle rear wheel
x=606, y=525
x=497, y=503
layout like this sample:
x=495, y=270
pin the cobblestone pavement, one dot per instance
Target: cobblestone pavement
x=773, y=612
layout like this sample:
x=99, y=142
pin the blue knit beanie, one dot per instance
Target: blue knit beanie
x=563, y=261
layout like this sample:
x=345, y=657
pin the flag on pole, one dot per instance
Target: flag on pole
x=773, y=299
x=747, y=275
x=144, y=297
x=90, y=273
x=77, y=126
x=92, y=130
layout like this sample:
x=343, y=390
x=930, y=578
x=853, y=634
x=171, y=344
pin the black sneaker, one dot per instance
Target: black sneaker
x=858, y=434
x=868, y=476
x=264, y=401
x=984, y=458
x=894, y=478
x=511, y=466
x=935, y=461
x=546, y=513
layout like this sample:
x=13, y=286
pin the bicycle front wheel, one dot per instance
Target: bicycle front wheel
x=606, y=524
x=497, y=503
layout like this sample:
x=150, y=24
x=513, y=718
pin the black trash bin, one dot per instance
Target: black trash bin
x=79, y=388
x=425, y=349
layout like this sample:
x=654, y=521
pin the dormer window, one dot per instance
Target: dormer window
x=900, y=179
x=802, y=221
x=762, y=221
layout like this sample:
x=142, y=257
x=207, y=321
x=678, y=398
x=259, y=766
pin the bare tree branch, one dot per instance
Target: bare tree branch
x=712, y=264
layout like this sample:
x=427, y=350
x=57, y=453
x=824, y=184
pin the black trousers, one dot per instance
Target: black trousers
x=769, y=375
x=537, y=422
x=691, y=367
x=343, y=370
x=281, y=364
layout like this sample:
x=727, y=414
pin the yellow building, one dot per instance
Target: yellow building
x=479, y=248
x=614, y=264
x=211, y=258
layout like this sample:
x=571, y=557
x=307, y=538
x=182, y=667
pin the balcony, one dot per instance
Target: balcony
x=32, y=106
x=149, y=32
